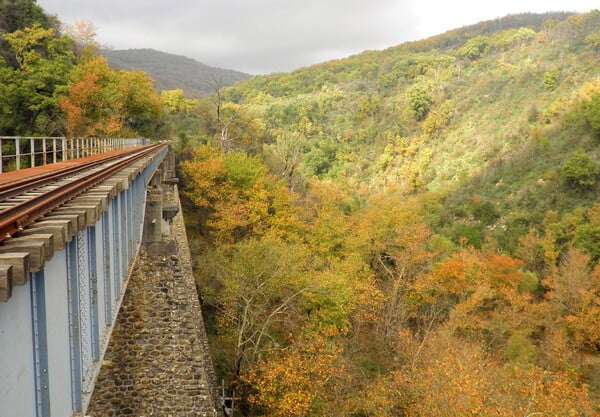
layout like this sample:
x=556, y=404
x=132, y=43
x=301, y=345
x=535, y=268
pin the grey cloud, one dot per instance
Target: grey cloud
x=262, y=36
x=259, y=36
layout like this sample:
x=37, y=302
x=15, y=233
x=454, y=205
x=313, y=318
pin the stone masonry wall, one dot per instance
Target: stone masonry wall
x=157, y=362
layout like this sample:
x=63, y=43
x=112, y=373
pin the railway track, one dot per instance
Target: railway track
x=25, y=200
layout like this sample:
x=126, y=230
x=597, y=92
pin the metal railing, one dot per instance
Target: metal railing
x=27, y=152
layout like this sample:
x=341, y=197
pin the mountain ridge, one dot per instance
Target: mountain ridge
x=171, y=71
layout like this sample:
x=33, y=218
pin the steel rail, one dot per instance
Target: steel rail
x=15, y=218
x=15, y=188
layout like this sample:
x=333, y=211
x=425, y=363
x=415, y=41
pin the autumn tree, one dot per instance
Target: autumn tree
x=175, y=101
x=395, y=242
x=419, y=99
x=235, y=125
x=261, y=286
x=235, y=197
x=101, y=101
x=299, y=381
x=84, y=35
x=286, y=155
x=574, y=292
x=453, y=377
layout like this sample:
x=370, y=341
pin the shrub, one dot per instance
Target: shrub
x=519, y=349
x=591, y=113
x=593, y=41
x=419, y=100
x=532, y=113
x=485, y=212
x=579, y=171
x=472, y=235
x=474, y=47
x=551, y=79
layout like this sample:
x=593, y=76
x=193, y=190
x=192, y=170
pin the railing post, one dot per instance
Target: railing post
x=32, y=151
x=18, y=153
x=53, y=150
x=44, y=151
x=1, y=167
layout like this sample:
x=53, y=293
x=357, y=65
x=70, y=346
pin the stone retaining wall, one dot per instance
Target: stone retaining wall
x=157, y=362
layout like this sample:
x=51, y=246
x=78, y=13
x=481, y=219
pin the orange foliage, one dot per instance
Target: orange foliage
x=575, y=297
x=84, y=105
x=294, y=383
x=238, y=197
x=451, y=377
x=103, y=102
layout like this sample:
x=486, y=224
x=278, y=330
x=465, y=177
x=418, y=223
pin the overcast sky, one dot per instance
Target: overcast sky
x=264, y=36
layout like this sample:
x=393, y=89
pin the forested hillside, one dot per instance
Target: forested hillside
x=407, y=232
x=171, y=72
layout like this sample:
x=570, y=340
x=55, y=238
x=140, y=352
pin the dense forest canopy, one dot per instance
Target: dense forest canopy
x=407, y=232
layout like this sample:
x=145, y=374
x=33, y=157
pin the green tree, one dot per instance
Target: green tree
x=474, y=47
x=175, y=101
x=579, y=171
x=419, y=99
x=29, y=92
x=18, y=15
x=591, y=113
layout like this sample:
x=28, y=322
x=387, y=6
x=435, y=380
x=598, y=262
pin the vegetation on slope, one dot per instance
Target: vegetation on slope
x=407, y=232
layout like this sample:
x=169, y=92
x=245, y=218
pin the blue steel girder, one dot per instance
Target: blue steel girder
x=55, y=329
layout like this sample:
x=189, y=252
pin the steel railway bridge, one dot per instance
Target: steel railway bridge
x=70, y=227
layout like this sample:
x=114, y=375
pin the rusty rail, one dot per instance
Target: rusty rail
x=15, y=188
x=17, y=217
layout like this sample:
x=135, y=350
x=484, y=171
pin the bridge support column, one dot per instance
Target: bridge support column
x=153, y=217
